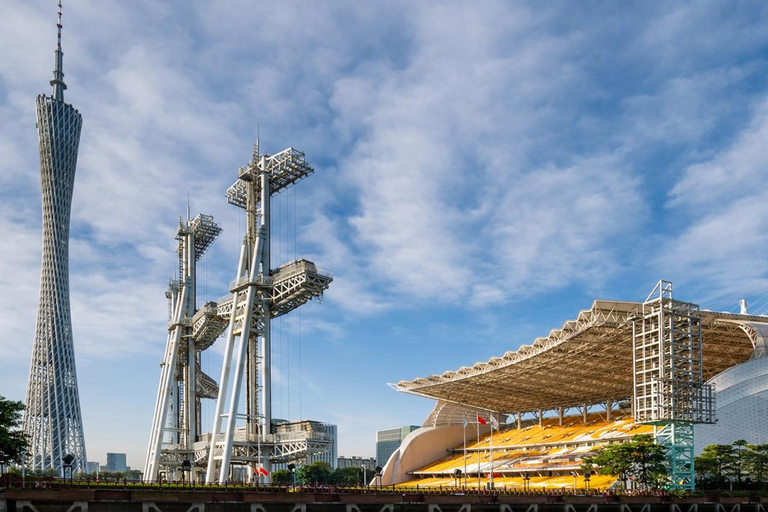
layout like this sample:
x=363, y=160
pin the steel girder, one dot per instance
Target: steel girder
x=588, y=360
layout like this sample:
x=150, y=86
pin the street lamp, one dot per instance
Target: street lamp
x=23, y=469
x=378, y=471
x=186, y=467
x=526, y=481
x=292, y=469
x=575, y=483
x=587, y=478
x=456, y=476
x=365, y=480
x=68, y=460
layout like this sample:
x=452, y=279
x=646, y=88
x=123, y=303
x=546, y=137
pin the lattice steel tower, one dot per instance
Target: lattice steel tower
x=177, y=446
x=669, y=388
x=52, y=419
x=259, y=294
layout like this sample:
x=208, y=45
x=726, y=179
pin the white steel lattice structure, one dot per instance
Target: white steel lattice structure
x=669, y=389
x=258, y=295
x=52, y=419
x=176, y=421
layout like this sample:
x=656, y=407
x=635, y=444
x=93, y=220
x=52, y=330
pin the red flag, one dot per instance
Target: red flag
x=263, y=471
x=481, y=420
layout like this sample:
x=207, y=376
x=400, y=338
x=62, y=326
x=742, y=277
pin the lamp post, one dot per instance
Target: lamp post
x=378, y=471
x=23, y=469
x=186, y=468
x=365, y=480
x=292, y=469
x=575, y=483
x=587, y=478
x=526, y=481
x=67, y=464
x=2, y=464
x=456, y=476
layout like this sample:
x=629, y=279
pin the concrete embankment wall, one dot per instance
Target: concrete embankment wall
x=138, y=501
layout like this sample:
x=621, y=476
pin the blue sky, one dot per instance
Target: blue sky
x=484, y=170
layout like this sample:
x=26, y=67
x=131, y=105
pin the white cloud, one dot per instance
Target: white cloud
x=467, y=155
x=730, y=174
x=723, y=239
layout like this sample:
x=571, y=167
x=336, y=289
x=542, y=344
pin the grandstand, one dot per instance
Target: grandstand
x=566, y=395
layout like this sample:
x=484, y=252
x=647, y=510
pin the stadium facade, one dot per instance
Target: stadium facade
x=52, y=418
x=600, y=379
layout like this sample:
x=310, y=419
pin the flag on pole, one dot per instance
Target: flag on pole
x=263, y=471
x=480, y=420
x=494, y=422
x=465, y=421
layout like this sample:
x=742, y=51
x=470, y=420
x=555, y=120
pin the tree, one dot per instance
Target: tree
x=716, y=462
x=318, y=473
x=282, y=477
x=12, y=440
x=756, y=462
x=133, y=474
x=640, y=458
x=347, y=476
x=739, y=462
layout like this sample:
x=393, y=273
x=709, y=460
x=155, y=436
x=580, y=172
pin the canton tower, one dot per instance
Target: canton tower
x=52, y=419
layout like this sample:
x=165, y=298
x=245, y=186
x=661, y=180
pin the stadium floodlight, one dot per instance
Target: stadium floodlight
x=258, y=294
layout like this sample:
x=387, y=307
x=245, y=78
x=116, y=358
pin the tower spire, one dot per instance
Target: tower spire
x=58, y=71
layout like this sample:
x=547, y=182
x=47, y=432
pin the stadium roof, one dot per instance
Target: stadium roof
x=588, y=360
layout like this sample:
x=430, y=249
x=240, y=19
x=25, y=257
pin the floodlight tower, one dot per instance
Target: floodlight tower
x=669, y=388
x=176, y=421
x=258, y=295
x=52, y=419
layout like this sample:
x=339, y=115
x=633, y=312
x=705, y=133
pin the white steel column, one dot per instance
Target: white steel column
x=266, y=341
x=210, y=473
x=165, y=390
x=190, y=393
x=234, y=398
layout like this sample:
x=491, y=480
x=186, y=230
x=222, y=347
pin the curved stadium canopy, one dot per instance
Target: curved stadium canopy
x=588, y=360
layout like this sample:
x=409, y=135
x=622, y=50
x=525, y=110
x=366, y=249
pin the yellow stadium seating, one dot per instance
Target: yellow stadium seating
x=549, y=454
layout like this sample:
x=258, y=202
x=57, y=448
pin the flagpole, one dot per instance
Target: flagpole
x=491, y=416
x=465, y=449
x=478, y=452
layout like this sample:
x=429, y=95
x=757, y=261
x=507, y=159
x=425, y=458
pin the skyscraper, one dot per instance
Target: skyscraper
x=52, y=419
x=387, y=441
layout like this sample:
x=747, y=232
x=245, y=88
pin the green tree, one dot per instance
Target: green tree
x=756, y=462
x=133, y=474
x=739, y=448
x=316, y=473
x=12, y=440
x=716, y=462
x=347, y=476
x=282, y=477
x=640, y=458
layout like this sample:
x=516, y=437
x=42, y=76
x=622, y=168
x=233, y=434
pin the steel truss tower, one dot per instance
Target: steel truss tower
x=259, y=294
x=669, y=388
x=177, y=443
x=52, y=418
x=176, y=421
